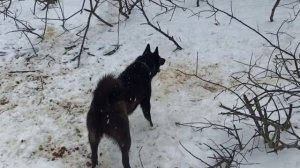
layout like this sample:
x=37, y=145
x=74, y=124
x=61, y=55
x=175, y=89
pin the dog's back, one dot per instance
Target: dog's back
x=107, y=102
x=108, y=115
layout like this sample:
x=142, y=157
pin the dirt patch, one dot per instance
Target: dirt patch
x=211, y=87
x=53, y=152
x=68, y=106
x=208, y=71
x=60, y=152
x=172, y=80
x=3, y=101
x=178, y=77
x=50, y=33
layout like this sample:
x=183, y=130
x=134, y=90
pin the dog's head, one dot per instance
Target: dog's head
x=152, y=60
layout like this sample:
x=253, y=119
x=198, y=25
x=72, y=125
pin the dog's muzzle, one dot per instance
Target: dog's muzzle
x=162, y=61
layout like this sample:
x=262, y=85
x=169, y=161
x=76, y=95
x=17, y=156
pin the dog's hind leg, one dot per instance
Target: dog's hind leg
x=94, y=139
x=146, y=106
x=125, y=146
x=122, y=135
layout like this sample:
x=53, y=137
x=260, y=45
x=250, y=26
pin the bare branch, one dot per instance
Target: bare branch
x=273, y=10
x=171, y=38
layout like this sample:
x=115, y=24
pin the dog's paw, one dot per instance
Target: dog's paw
x=153, y=127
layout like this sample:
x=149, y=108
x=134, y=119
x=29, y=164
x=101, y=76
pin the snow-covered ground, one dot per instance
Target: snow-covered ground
x=43, y=112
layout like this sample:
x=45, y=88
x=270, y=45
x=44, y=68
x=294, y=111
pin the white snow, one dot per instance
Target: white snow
x=44, y=111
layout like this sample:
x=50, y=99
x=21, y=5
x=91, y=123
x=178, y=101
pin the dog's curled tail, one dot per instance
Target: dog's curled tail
x=108, y=91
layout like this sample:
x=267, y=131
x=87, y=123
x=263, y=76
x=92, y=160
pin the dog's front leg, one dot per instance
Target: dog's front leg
x=146, y=106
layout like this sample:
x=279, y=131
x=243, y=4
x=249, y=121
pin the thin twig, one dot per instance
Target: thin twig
x=140, y=156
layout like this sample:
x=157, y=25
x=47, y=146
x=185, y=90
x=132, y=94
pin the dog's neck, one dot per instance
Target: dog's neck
x=151, y=74
x=144, y=64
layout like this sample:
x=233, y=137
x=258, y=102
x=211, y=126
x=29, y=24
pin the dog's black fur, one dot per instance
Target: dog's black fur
x=116, y=98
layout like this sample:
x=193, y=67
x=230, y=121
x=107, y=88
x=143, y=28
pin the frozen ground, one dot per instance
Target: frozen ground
x=43, y=112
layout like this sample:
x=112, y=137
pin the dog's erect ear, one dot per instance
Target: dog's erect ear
x=147, y=50
x=156, y=51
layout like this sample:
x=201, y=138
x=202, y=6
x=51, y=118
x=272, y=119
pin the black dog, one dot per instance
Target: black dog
x=116, y=98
